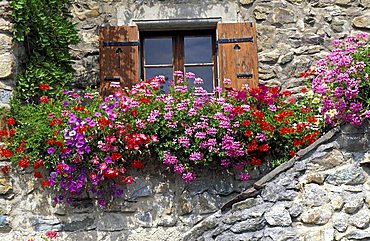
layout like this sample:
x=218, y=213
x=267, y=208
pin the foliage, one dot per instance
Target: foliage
x=90, y=144
x=340, y=81
x=45, y=29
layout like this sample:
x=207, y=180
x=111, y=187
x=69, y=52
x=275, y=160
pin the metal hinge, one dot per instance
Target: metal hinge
x=112, y=79
x=117, y=43
x=234, y=40
x=244, y=75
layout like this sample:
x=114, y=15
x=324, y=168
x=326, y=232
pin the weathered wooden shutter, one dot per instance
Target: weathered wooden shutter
x=237, y=53
x=119, y=57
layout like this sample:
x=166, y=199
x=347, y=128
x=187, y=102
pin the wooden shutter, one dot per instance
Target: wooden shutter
x=237, y=54
x=119, y=57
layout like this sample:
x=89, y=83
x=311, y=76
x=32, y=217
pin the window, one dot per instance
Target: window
x=187, y=51
x=228, y=50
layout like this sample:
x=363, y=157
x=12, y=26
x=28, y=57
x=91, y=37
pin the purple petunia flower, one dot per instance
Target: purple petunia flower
x=51, y=150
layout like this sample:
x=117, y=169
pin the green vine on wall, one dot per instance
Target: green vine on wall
x=46, y=31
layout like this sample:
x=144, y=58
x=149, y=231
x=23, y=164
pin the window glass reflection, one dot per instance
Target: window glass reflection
x=206, y=73
x=158, y=50
x=198, y=49
x=167, y=72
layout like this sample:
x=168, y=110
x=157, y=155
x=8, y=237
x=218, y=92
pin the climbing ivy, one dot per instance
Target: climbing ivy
x=46, y=31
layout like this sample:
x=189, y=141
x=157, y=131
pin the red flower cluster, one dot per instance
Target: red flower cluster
x=52, y=234
x=23, y=163
x=133, y=141
x=56, y=121
x=10, y=121
x=111, y=173
x=5, y=169
x=44, y=99
x=6, y=153
x=44, y=87
x=137, y=164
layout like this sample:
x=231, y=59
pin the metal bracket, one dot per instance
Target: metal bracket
x=234, y=40
x=244, y=75
x=117, y=43
x=112, y=79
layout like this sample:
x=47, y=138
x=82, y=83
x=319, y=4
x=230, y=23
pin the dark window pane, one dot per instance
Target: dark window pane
x=206, y=73
x=167, y=72
x=158, y=50
x=198, y=49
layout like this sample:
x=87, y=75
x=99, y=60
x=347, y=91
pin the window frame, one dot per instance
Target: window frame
x=178, y=50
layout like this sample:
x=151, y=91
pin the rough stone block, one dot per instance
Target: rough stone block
x=6, y=65
x=282, y=16
x=361, y=219
x=318, y=215
x=4, y=223
x=361, y=21
x=314, y=195
x=43, y=224
x=340, y=221
x=144, y=219
x=5, y=185
x=278, y=215
x=349, y=176
x=250, y=225
x=353, y=203
x=112, y=222
x=79, y=225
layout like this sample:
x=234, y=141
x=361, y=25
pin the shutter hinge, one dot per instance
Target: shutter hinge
x=117, y=43
x=234, y=40
x=244, y=75
x=112, y=79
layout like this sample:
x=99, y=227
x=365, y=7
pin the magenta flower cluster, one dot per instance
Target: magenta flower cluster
x=338, y=82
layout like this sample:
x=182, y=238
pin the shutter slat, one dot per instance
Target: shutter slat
x=237, y=54
x=119, y=56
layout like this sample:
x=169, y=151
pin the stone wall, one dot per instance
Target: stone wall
x=155, y=207
x=323, y=194
x=292, y=34
x=9, y=52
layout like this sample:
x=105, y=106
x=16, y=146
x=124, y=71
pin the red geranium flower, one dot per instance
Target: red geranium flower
x=52, y=234
x=44, y=87
x=256, y=161
x=128, y=180
x=45, y=183
x=305, y=74
x=37, y=174
x=111, y=173
x=252, y=146
x=44, y=99
x=134, y=113
x=12, y=132
x=246, y=123
x=144, y=100
x=115, y=156
x=6, y=153
x=137, y=164
x=19, y=149
x=38, y=163
x=248, y=133
x=5, y=169
x=10, y=121
x=23, y=163
x=263, y=148
x=103, y=121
